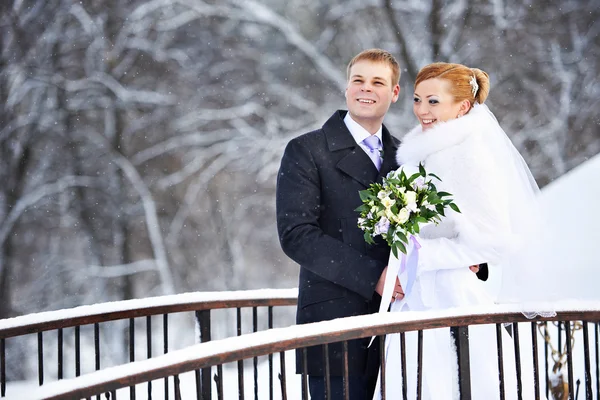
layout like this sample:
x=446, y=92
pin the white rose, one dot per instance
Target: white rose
x=410, y=196
x=390, y=215
x=419, y=183
x=412, y=207
x=383, y=194
x=403, y=215
x=396, y=219
x=395, y=174
x=387, y=202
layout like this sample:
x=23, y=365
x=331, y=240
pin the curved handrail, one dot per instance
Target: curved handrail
x=194, y=301
x=283, y=339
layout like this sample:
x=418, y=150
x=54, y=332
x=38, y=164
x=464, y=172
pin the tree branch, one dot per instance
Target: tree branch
x=411, y=68
x=36, y=195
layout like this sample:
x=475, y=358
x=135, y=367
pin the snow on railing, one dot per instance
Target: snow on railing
x=79, y=351
x=193, y=301
x=219, y=352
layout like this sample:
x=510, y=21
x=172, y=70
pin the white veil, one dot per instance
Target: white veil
x=524, y=280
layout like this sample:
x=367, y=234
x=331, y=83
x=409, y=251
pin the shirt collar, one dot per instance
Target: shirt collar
x=358, y=132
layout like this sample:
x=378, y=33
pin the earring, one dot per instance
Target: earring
x=459, y=115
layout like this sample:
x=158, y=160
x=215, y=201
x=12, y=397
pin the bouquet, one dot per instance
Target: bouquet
x=397, y=207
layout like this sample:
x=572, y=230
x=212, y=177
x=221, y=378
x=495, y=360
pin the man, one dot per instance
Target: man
x=318, y=187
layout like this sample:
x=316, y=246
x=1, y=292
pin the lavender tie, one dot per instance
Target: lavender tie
x=372, y=142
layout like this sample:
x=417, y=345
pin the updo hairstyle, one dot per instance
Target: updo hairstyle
x=460, y=78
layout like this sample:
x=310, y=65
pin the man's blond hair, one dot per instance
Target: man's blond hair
x=380, y=56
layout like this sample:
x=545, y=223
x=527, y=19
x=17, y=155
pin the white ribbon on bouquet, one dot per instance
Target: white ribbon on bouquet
x=406, y=271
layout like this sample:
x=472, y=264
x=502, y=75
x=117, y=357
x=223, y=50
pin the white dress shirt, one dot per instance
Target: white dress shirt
x=359, y=134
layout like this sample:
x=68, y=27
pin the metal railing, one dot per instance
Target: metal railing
x=213, y=356
x=89, y=320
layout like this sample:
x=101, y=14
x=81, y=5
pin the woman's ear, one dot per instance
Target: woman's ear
x=465, y=106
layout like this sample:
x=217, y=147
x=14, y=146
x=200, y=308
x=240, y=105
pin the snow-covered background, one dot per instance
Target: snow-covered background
x=569, y=207
x=140, y=140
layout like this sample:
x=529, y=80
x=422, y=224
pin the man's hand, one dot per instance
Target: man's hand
x=481, y=271
x=397, y=293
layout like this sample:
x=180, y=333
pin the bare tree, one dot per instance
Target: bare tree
x=141, y=140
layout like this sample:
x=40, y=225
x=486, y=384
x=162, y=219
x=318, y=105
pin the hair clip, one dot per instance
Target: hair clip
x=474, y=85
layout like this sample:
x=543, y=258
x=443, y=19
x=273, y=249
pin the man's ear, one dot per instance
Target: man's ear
x=396, y=92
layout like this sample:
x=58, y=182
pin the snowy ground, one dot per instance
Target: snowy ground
x=569, y=204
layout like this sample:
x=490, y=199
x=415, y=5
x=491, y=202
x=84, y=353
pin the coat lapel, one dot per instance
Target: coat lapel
x=354, y=162
x=390, y=146
x=355, y=166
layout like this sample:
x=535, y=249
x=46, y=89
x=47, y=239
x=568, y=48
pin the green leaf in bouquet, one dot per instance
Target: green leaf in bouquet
x=413, y=177
x=422, y=170
x=433, y=198
x=368, y=238
x=365, y=195
x=416, y=227
x=435, y=176
x=420, y=219
x=402, y=176
x=402, y=236
x=454, y=207
x=440, y=209
x=362, y=208
x=391, y=230
x=389, y=179
x=425, y=213
x=399, y=245
x=444, y=194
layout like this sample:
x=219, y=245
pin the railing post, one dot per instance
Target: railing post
x=460, y=334
x=2, y=367
x=203, y=318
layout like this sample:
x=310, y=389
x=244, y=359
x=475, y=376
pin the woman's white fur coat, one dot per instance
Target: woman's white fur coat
x=461, y=153
x=457, y=151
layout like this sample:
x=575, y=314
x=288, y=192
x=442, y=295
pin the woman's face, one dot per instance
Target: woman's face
x=433, y=103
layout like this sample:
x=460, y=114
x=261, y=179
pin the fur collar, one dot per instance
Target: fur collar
x=417, y=145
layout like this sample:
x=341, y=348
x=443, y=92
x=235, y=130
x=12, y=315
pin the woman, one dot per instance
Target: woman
x=459, y=140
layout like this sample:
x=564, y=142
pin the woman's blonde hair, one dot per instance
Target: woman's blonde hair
x=460, y=77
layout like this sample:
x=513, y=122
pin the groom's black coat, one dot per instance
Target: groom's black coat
x=317, y=193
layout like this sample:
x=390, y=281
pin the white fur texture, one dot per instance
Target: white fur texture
x=457, y=152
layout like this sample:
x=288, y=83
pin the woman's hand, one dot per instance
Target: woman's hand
x=474, y=268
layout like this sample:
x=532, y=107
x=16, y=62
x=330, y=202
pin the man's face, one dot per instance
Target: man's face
x=370, y=92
